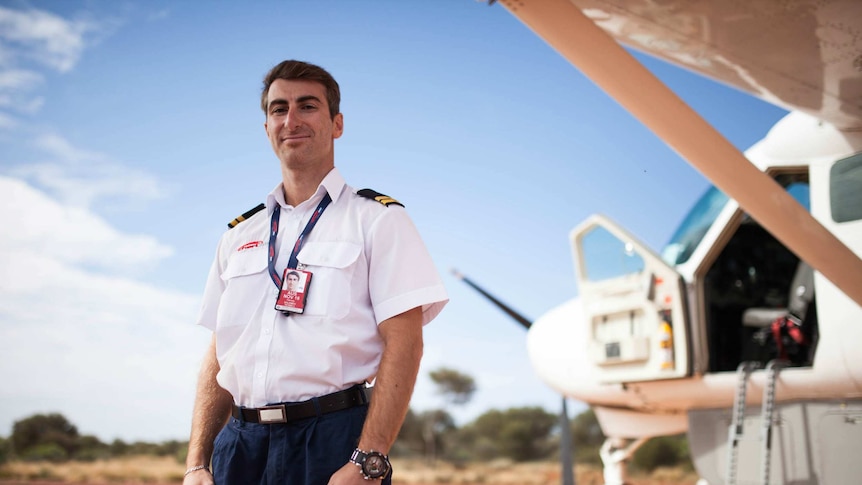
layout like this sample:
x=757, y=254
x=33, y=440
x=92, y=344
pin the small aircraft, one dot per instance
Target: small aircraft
x=744, y=330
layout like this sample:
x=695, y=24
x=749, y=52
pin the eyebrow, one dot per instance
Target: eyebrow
x=301, y=99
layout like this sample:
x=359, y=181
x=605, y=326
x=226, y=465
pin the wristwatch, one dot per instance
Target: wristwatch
x=373, y=464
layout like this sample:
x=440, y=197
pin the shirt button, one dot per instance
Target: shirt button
x=266, y=331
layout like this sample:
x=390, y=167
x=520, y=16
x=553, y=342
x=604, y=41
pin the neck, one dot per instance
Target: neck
x=300, y=185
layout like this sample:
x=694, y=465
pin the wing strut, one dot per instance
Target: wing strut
x=562, y=25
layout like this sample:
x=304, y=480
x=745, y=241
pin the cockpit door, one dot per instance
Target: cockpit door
x=633, y=303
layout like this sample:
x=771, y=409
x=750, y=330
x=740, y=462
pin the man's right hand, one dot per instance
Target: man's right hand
x=199, y=477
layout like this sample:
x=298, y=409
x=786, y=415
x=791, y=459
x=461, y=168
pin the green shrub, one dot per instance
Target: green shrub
x=5, y=450
x=588, y=455
x=45, y=452
x=44, y=429
x=182, y=454
x=663, y=451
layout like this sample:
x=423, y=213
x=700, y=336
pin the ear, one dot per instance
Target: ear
x=337, y=126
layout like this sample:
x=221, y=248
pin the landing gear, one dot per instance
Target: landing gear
x=615, y=452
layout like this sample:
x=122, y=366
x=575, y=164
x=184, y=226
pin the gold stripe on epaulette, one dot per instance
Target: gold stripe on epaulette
x=244, y=216
x=385, y=200
x=378, y=197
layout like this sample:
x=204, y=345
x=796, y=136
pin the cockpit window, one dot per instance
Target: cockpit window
x=703, y=214
x=694, y=226
x=845, y=189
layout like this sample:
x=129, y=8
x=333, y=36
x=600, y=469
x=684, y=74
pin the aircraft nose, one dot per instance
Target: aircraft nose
x=558, y=349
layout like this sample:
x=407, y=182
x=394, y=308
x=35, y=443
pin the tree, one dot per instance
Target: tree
x=587, y=437
x=457, y=388
x=5, y=450
x=118, y=447
x=586, y=430
x=662, y=451
x=43, y=430
x=520, y=434
x=91, y=448
x=411, y=437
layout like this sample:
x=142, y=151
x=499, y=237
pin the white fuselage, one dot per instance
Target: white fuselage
x=558, y=342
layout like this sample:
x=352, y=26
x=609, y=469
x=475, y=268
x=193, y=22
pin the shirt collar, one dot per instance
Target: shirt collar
x=333, y=184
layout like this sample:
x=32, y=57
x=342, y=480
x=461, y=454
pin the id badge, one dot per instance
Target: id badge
x=294, y=290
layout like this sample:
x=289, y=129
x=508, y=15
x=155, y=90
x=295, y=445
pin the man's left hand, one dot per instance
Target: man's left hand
x=350, y=474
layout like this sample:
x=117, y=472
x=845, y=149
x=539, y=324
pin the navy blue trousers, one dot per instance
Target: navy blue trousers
x=305, y=452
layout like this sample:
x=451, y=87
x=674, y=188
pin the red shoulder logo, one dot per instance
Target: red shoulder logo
x=250, y=245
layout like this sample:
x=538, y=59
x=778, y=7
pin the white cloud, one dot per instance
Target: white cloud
x=80, y=177
x=30, y=41
x=59, y=147
x=70, y=234
x=42, y=36
x=111, y=353
x=19, y=79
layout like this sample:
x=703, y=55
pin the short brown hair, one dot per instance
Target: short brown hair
x=298, y=70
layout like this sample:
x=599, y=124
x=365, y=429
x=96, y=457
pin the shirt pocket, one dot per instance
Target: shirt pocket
x=332, y=265
x=245, y=279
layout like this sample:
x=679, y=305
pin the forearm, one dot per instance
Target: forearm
x=211, y=411
x=396, y=378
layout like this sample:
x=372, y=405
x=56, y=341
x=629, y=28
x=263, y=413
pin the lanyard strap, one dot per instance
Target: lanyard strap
x=293, y=262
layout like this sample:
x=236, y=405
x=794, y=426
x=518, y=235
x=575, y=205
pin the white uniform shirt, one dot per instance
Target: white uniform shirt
x=368, y=264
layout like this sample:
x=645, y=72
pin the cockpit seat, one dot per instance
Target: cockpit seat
x=800, y=296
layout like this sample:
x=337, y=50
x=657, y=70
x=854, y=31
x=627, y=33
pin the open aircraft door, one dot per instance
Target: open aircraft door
x=634, y=306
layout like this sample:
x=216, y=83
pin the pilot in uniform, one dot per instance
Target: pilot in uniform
x=298, y=381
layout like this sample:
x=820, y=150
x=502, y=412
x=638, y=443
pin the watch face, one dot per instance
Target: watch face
x=375, y=465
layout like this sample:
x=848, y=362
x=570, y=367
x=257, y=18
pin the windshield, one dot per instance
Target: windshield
x=693, y=228
x=704, y=212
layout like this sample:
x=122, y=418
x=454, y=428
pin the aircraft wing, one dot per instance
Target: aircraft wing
x=800, y=55
x=709, y=25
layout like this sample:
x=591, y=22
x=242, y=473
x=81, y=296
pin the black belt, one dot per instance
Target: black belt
x=357, y=395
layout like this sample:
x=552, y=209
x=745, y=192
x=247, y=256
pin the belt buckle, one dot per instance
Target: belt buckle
x=271, y=414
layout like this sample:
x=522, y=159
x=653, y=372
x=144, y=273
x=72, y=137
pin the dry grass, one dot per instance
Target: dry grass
x=128, y=470
x=503, y=472
x=155, y=470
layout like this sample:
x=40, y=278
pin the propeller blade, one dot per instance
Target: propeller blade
x=568, y=476
x=502, y=306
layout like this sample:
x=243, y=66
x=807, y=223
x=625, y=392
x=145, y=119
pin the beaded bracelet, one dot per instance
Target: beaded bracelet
x=196, y=468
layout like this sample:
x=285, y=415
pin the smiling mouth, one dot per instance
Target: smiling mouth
x=293, y=138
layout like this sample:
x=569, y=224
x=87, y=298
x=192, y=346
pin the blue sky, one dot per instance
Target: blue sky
x=131, y=133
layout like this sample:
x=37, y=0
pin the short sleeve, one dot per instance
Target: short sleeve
x=401, y=274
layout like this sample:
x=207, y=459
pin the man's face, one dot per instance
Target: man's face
x=298, y=124
x=292, y=281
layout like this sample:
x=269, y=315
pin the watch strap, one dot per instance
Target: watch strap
x=358, y=457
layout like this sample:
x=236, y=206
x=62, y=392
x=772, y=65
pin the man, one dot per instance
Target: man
x=281, y=396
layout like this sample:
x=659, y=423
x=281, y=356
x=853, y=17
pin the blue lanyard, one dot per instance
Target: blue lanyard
x=293, y=262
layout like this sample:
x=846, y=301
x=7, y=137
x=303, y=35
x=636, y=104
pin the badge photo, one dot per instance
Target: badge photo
x=294, y=290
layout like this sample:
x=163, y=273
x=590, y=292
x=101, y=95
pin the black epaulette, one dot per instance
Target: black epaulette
x=246, y=215
x=374, y=195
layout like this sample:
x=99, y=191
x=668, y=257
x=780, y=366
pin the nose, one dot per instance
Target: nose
x=292, y=121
